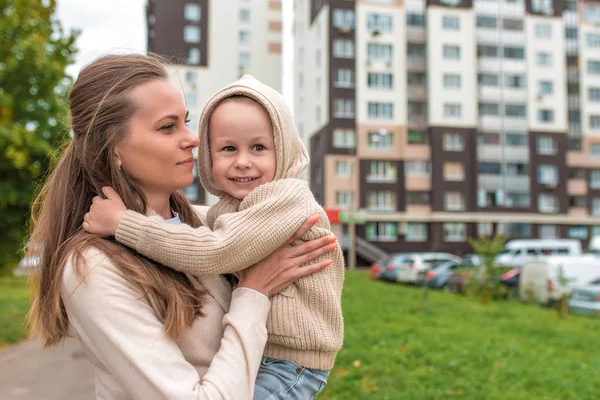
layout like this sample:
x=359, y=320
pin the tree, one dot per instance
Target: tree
x=34, y=53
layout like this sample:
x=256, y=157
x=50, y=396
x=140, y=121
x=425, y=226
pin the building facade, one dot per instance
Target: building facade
x=210, y=43
x=440, y=120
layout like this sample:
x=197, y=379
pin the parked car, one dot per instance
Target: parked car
x=586, y=299
x=511, y=278
x=437, y=277
x=406, y=267
x=377, y=267
x=540, y=280
x=517, y=252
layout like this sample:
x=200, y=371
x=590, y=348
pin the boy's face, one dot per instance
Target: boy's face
x=241, y=147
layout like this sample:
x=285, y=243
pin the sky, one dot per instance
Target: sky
x=120, y=26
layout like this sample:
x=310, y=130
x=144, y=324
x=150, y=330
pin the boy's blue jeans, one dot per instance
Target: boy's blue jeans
x=284, y=379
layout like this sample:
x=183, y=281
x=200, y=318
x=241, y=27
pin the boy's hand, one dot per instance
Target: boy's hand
x=105, y=214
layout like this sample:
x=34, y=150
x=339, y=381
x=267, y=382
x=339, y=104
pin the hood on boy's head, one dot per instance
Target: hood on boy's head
x=291, y=155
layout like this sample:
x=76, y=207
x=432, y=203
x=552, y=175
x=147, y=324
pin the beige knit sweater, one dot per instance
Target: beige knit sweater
x=305, y=324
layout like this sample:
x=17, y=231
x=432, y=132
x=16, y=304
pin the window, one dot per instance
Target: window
x=416, y=78
x=546, y=145
x=244, y=15
x=595, y=179
x=543, y=59
x=595, y=122
x=343, y=108
x=423, y=168
x=343, y=48
x=453, y=142
x=454, y=201
x=343, y=200
x=547, y=203
x=191, y=34
x=454, y=171
x=516, y=139
x=595, y=150
x=594, y=94
x=416, y=232
x=451, y=52
x=595, y=230
x=578, y=232
x=592, y=40
x=245, y=37
x=545, y=116
x=381, y=141
x=450, y=2
x=193, y=56
x=417, y=137
x=343, y=18
x=416, y=49
x=381, y=171
x=515, y=81
x=451, y=22
x=377, y=80
x=543, y=31
x=488, y=79
x=490, y=168
x=577, y=201
x=571, y=33
x=344, y=138
x=417, y=198
x=455, y=231
x=513, y=169
x=381, y=201
x=487, y=22
x=451, y=81
x=379, y=22
x=570, y=5
x=452, y=110
x=485, y=229
x=380, y=110
x=343, y=169
x=542, y=7
x=515, y=110
x=377, y=51
x=514, y=200
x=415, y=19
x=548, y=232
x=512, y=24
x=521, y=230
x=416, y=109
x=516, y=53
x=592, y=14
x=547, y=175
x=381, y=231
x=545, y=88
x=595, y=211
x=489, y=109
x=577, y=173
x=244, y=60
x=484, y=50
x=344, y=78
x=192, y=12
x=594, y=67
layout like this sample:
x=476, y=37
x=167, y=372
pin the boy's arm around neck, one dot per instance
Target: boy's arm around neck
x=267, y=218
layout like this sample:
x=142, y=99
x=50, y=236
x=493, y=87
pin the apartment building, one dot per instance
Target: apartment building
x=210, y=43
x=439, y=120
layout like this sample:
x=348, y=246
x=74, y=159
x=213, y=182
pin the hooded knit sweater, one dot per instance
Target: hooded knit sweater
x=305, y=323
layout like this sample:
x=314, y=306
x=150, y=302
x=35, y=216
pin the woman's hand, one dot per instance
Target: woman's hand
x=105, y=213
x=283, y=267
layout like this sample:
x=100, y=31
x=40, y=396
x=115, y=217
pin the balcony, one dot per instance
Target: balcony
x=516, y=183
x=416, y=63
x=577, y=187
x=417, y=122
x=416, y=92
x=491, y=152
x=416, y=34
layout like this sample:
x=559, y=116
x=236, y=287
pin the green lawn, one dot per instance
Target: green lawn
x=14, y=303
x=459, y=349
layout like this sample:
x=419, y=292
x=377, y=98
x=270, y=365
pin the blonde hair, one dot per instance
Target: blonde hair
x=100, y=109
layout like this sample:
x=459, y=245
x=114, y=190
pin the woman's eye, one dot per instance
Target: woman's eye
x=166, y=127
x=187, y=121
x=258, y=147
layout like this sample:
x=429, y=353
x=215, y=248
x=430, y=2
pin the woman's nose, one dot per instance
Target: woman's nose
x=191, y=139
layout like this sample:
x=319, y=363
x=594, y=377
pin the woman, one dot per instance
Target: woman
x=149, y=331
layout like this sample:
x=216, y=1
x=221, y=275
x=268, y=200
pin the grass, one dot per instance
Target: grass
x=14, y=303
x=458, y=348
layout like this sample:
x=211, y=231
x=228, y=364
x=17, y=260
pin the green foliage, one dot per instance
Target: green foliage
x=458, y=349
x=486, y=285
x=34, y=52
x=14, y=303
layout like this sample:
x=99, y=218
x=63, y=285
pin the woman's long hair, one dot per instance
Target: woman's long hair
x=100, y=110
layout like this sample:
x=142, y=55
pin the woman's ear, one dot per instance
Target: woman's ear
x=118, y=159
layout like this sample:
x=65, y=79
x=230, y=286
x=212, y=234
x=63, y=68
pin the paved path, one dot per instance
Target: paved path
x=29, y=373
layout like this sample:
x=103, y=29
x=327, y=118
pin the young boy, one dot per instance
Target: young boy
x=251, y=156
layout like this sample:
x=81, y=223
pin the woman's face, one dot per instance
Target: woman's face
x=157, y=152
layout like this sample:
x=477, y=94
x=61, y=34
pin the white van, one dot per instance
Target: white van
x=539, y=281
x=517, y=252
